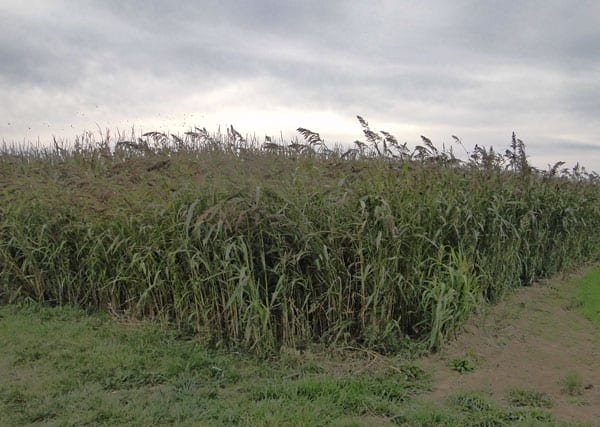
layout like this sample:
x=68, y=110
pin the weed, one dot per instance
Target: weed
x=572, y=384
x=472, y=401
x=578, y=401
x=462, y=364
x=529, y=398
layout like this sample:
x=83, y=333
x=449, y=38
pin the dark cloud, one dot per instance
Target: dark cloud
x=578, y=146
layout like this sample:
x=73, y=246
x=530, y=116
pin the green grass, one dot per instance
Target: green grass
x=531, y=398
x=64, y=367
x=463, y=364
x=572, y=384
x=61, y=366
x=588, y=296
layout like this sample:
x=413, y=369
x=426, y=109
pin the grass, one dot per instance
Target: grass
x=259, y=247
x=531, y=398
x=477, y=408
x=462, y=364
x=588, y=296
x=63, y=366
x=572, y=384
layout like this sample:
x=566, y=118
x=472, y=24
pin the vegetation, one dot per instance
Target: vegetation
x=572, y=384
x=59, y=365
x=62, y=366
x=462, y=364
x=588, y=296
x=533, y=398
x=280, y=245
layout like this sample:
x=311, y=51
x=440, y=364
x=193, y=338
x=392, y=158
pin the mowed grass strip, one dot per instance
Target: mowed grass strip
x=61, y=366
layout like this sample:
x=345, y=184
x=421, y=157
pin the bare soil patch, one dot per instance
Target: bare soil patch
x=533, y=340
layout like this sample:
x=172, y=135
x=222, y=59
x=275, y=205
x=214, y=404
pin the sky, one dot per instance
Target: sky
x=476, y=69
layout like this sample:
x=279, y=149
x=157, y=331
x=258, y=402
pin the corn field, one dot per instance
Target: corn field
x=258, y=244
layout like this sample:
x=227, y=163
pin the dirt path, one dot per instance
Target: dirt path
x=533, y=341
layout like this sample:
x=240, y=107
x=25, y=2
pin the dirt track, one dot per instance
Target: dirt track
x=533, y=340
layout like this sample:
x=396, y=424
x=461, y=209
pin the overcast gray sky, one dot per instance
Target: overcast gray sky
x=476, y=69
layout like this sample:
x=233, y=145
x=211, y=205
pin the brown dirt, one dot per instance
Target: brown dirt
x=532, y=340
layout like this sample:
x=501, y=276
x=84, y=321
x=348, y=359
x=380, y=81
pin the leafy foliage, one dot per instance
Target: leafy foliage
x=259, y=246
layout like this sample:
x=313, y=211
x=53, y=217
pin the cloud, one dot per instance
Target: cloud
x=481, y=69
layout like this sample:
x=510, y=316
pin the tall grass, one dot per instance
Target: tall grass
x=261, y=245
